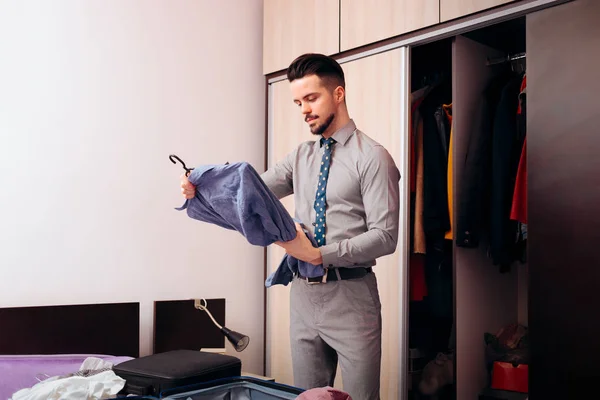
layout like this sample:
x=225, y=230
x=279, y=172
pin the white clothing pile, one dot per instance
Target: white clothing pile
x=94, y=381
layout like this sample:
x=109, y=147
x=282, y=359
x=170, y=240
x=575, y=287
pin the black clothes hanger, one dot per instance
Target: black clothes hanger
x=187, y=170
x=173, y=159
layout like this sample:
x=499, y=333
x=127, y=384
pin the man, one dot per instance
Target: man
x=345, y=188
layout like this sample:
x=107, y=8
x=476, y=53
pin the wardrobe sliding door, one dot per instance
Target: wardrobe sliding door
x=287, y=130
x=563, y=195
x=376, y=88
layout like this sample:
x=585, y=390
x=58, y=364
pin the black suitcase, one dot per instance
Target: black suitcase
x=150, y=375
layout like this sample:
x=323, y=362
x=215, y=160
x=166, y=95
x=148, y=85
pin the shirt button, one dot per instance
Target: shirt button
x=314, y=224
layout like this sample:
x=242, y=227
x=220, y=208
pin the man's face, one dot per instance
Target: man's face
x=316, y=102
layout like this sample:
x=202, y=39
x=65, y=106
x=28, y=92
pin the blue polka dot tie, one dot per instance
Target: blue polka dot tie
x=320, y=199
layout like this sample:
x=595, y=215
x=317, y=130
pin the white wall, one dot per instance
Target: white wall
x=94, y=96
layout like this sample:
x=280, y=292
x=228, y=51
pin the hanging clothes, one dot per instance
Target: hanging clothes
x=435, y=163
x=506, y=150
x=519, y=205
x=438, y=261
x=493, y=181
x=448, y=110
x=417, y=284
x=473, y=204
x=519, y=202
x=438, y=304
x=419, y=230
x=431, y=277
x=416, y=99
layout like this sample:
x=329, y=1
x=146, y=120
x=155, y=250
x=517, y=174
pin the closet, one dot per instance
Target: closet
x=493, y=124
x=431, y=311
x=468, y=276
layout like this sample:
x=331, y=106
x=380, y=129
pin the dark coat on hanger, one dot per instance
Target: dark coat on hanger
x=490, y=166
x=473, y=204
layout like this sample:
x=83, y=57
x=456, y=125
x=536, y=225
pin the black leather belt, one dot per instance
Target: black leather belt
x=344, y=273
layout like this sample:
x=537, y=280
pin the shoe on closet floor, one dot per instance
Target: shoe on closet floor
x=438, y=373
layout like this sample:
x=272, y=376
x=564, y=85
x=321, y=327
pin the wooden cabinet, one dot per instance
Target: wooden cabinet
x=294, y=27
x=288, y=130
x=374, y=102
x=450, y=9
x=363, y=22
x=374, y=94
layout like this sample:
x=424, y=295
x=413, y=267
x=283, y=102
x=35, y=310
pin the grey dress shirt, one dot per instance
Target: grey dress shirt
x=362, y=196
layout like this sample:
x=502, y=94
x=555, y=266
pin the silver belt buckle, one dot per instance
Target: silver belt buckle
x=323, y=279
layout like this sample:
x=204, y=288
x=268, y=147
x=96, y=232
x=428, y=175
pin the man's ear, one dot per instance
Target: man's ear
x=339, y=94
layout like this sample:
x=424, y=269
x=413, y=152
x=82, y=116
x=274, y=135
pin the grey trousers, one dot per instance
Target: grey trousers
x=337, y=321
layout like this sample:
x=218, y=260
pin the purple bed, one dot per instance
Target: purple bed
x=19, y=372
x=41, y=342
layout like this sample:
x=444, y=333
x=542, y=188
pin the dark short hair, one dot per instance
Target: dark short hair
x=325, y=67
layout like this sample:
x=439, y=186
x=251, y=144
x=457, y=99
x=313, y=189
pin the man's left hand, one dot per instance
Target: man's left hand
x=301, y=248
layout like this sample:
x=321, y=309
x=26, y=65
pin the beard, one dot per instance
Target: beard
x=319, y=129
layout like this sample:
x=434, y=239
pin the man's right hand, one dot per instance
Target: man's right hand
x=187, y=189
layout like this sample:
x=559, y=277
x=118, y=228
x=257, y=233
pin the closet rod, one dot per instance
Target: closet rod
x=508, y=58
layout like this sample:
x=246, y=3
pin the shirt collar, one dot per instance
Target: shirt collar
x=342, y=135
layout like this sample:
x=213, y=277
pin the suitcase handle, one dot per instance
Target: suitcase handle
x=138, y=390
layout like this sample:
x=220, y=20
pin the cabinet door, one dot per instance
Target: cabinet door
x=374, y=102
x=562, y=214
x=294, y=27
x=450, y=9
x=363, y=22
x=286, y=131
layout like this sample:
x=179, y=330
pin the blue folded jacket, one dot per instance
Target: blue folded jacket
x=233, y=196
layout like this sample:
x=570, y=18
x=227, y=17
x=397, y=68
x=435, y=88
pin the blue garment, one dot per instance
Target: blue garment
x=233, y=196
x=320, y=204
x=289, y=265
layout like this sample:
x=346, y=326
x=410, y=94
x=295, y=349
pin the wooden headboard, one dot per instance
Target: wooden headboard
x=112, y=329
x=179, y=325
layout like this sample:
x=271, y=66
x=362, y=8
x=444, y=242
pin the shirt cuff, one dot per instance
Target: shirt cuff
x=330, y=257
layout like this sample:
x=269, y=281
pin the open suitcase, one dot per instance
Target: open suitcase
x=236, y=388
x=190, y=374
